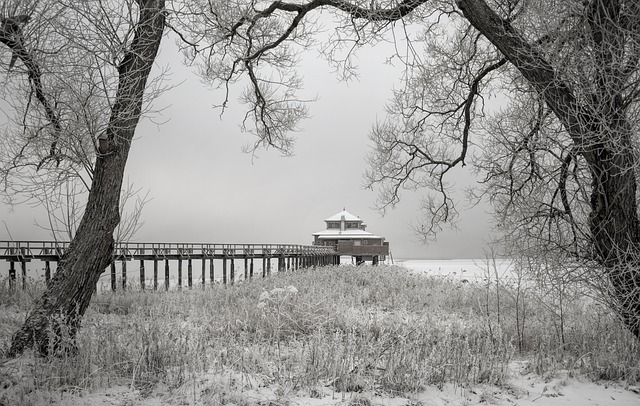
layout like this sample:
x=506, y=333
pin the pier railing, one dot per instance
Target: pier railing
x=289, y=256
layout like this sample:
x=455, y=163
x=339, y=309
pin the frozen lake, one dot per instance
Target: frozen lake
x=470, y=269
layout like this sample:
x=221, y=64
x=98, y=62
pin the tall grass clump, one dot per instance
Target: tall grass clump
x=347, y=328
x=558, y=322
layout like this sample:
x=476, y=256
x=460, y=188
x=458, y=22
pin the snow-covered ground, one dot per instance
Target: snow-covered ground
x=522, y=389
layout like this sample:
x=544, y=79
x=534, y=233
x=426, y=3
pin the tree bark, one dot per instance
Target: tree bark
x=615, y=228
x=52, y=325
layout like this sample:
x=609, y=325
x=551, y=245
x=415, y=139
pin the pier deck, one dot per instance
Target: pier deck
x=289, y=256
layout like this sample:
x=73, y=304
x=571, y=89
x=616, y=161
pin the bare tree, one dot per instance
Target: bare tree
x=558, y=154
x=77, y=82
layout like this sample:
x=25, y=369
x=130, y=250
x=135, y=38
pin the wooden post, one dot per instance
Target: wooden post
x=233, y=272
x=251, y=268
x=204, y=270
x=211, y=272
x=124, y=274
x=179, y=274
x=155, y=274
x=142, y=275
x=288, y=263
x=23, y=267
x=269, y=266
x=246, y=268
x=12, y=275
x=47, y=274
x=264, y=266
x=224, y=271
x=113, y=276
x=189, y=273
x=166, y=274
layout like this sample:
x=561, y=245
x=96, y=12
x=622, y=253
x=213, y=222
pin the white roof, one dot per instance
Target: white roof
x=350, y=233
x=347, y=216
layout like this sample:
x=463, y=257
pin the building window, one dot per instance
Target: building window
x=365, y=242
x=333, y=225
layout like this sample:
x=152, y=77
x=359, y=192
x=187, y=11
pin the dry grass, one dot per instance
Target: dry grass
x=350, y=329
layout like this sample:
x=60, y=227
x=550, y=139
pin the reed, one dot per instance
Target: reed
x=341, y=329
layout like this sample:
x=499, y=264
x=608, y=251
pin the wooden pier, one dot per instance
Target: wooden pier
x=288, y=256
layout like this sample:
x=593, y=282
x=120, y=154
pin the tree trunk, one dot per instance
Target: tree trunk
x=615, y=229
x=603, y=140
x=52, y=325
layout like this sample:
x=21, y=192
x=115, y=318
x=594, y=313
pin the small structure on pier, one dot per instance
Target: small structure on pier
x=347, y=234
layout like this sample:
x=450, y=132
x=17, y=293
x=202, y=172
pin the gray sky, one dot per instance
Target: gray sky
x=204, y=189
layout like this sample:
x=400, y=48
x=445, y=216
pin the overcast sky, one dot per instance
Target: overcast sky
x=205, y=189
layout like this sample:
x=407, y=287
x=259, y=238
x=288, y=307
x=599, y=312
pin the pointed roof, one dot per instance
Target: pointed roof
x=347, y=216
